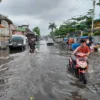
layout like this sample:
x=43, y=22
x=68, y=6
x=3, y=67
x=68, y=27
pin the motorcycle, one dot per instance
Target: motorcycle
x=32, y=46
x=78, y=66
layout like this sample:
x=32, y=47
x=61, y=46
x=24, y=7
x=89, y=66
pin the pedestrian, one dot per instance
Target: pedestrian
x=90, y=38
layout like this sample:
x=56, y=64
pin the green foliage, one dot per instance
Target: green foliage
x=98, y=3
x=97, y=33
x=56, y=32
x=74, y=25
x=37, y=30
x=51, y=34
x=88, y=22
x=85, y=34
x=80, y=18
x=52, y=26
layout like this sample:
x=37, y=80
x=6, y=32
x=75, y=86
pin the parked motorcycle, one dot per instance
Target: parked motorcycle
x=78, y=65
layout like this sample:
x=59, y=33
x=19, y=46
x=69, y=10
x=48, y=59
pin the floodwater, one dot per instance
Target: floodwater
x=44, y=76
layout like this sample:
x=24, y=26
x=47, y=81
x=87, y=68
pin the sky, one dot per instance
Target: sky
x=42, y=12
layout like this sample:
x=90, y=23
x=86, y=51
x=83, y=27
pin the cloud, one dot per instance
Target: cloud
x=30, y=7
x=42, y=12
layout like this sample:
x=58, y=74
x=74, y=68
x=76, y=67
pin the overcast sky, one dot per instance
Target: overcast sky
x=42, y=12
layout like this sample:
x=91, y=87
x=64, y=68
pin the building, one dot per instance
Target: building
x=13, y=28
x=97, y=24
x=9, y=27
x=25, y=28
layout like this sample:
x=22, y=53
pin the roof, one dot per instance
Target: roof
x=6, y=19
x=9, y=21
x=25, y=25
x=21, y=29
x=17, y=35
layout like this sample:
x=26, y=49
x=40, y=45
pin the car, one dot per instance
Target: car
x=50, y=41
x=18, y=41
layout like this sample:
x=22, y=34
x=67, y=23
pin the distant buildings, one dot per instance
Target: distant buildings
x=10, y=28
x=24, y=29
x=97, y=24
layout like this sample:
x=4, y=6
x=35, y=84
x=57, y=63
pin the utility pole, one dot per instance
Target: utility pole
x=92, y=28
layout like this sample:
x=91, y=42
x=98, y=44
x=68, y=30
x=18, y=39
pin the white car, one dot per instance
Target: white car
x=17, y=41
x=50, y=41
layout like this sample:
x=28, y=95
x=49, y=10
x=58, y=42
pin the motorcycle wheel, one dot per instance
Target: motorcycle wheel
x=76, y=73
x=71, y=68
x=82, y=77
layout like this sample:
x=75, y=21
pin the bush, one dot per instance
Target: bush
x=85, y=34
x=97, y=33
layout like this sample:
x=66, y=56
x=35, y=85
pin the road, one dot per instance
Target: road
x=43, y=76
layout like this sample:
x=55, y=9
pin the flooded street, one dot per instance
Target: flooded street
x=44, y=76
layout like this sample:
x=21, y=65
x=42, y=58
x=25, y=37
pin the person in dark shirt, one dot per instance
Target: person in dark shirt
x=90, y=38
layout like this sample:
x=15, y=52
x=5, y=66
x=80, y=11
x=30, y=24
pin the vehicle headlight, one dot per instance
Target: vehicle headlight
x=19, y=44
x=10, y=44
x=83, y=65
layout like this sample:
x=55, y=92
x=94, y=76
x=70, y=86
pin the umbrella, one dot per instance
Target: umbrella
x=1, y=26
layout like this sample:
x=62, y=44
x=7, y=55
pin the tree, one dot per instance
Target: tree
x=37, y=30
x=90, y=13
x=98, y=3
x=56, y=32
x=0, y=1
x=52, y=26
x=80, y=18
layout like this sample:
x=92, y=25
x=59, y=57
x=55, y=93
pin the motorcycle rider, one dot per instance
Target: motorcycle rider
x=83, y=49
x=32, y=45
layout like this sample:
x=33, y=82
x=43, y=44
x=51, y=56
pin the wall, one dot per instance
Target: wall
x=58, y=40
x=12, y=28
x=4, y=31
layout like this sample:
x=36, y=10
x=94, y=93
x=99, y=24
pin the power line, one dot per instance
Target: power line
x=74, y=7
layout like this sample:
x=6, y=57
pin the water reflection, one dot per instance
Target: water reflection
x=15, y=50
x=4, y=53
x=75, y=96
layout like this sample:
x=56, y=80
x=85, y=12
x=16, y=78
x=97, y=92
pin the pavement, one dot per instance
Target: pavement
x=44, y=76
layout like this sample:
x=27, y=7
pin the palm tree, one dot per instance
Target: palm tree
x=52, y=26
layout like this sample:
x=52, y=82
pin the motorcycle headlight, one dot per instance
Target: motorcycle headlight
x=83, y=65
